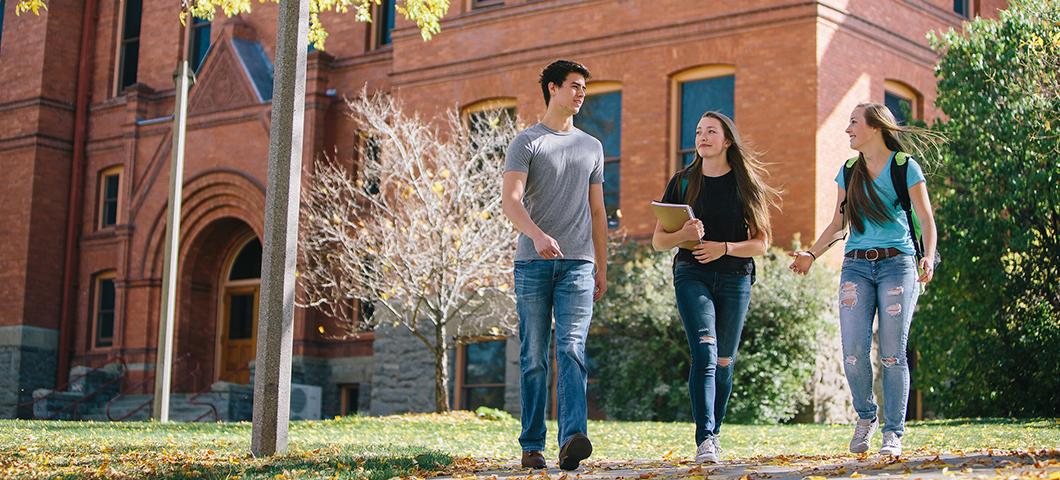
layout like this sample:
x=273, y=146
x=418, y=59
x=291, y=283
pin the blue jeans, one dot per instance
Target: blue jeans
x=713, y=307
x=543, y=288
x=886, y=287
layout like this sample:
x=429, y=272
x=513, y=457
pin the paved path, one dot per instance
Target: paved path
x=1043, y=465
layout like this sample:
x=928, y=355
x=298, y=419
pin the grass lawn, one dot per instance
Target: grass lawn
x=383, y=447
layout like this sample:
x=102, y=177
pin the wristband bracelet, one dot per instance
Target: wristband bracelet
x=726, y=249
x=812, y=255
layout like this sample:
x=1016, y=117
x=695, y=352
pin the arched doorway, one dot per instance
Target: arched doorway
x=238, y=321
x=220, y=276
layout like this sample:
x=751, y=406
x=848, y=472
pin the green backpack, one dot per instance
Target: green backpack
x=899, y=170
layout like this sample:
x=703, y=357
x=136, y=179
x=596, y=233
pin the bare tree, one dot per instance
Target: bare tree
x=416, y=231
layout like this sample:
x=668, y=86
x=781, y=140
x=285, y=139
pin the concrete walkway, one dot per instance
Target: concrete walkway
x=986, y=464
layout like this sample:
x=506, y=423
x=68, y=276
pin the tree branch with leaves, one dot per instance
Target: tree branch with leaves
x=426, y=13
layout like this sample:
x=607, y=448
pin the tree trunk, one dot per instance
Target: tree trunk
x=441, y=370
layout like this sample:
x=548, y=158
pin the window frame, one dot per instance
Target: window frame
x=101, y=191
x=378, y=26
x=3, y=5
x=199, y=24
x=602, y=88
x=344, y=402
x=905, y=91
x=473, y=5
x=459, y=395
x=94, y=314
x=704, y=72
x=965, y=12
x=122, y=42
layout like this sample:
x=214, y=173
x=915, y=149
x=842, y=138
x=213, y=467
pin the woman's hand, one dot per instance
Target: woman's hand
x=692, y=230
x=707, y=252
x=803, y=262
x=927, y=268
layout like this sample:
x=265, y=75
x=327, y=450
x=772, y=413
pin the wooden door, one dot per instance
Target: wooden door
x=239, y=333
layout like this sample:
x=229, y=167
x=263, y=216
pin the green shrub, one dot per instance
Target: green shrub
x=988, y=330
x=639, y=353
x=493, y=414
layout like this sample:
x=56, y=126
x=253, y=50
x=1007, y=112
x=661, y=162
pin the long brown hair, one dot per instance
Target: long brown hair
x=864, y=203
x=756, y=196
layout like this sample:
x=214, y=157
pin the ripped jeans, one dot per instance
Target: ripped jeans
x=887, y=287
x=713, y=306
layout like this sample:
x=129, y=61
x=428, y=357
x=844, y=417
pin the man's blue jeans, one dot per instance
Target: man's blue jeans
x=543, y=288
x=887, y=287
x=713, y=307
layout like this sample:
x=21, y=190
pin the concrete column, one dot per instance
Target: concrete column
x=272, y=377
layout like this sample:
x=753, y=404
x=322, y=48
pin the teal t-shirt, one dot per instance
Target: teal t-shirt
x=894, y=233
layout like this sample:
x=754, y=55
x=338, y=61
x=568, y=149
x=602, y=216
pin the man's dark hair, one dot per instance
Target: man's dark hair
x=556, y=72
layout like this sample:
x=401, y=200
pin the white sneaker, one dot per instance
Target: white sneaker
x=707, y=451
x=892, y=444
x=862, y=434
x=717, y=445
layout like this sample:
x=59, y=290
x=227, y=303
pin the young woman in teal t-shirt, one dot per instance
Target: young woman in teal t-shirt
x=880, y=268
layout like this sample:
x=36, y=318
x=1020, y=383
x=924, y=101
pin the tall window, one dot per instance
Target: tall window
x=130, y=44
x=385, y=23
x=962, y=7
x=109, y=192
x=601, y=117
x=200, y=42
x=103, y=310
x=697, y=97
x=482, y=374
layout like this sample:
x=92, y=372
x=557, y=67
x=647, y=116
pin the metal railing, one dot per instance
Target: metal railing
x=75, y=403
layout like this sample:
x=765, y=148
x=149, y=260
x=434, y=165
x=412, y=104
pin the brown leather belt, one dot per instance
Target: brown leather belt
x=873, y=254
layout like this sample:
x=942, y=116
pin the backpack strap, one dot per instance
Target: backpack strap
x=848, y=171
x=684, y=187
x=899, y=171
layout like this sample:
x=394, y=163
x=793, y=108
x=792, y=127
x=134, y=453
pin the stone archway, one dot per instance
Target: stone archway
x=205, y=272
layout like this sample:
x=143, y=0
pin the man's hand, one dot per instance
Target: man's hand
x=601, y=284
x=547, y=247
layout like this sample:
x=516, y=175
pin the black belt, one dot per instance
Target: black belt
x=873, y=254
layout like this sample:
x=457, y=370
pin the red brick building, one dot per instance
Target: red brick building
x=789, y=71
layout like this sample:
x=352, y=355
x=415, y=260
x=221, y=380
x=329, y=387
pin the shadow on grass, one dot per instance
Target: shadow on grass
x=396, y=463
x=1045, y=423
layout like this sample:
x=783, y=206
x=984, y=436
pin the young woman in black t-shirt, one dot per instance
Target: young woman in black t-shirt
x=712, y=283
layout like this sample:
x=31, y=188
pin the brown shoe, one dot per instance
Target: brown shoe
x=577, y=448
x=533, y=460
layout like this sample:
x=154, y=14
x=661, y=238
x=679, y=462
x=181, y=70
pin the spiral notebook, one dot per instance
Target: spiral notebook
x=672, y=217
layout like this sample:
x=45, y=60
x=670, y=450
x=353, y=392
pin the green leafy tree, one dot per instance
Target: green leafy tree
x=989, y=327
x=426, y=13
x=639, y=353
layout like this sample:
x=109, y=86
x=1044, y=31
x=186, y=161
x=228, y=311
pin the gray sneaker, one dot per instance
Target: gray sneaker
x=892, y=444
x=717, y=445
x=707, y=451
x=862, y=434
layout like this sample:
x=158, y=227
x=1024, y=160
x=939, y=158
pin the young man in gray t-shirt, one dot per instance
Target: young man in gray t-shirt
x=553, y=193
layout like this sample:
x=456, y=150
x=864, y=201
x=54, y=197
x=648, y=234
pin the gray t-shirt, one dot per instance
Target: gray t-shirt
x=559, y=167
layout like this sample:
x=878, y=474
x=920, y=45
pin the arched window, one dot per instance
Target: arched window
x=694, y=92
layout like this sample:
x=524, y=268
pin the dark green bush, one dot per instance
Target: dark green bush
x=640, y=357
x=988, y=330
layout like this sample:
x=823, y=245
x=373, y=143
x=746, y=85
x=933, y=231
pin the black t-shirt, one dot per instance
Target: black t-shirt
x=722, y=213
